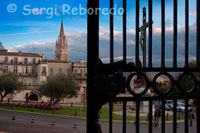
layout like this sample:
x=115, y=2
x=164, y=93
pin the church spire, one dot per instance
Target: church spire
x=61, y=53
x=62, y=29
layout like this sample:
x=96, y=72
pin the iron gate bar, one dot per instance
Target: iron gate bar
x=137, y=15
x=162, y=33
x=150, y=116
x=198, y=114
x=198, y=34
x=92, y=61
x=154, y=98
x=111, y=59
x=186, y=31
x=175, y=35
x=186, y=116
x=163, y=117
x=150, y=33
x=198, y=59
x=166, y=69
x=137, y=116
x=111, y=33
x=124, y=117
x=124, y=31
x=174, y=116
x=110, y=116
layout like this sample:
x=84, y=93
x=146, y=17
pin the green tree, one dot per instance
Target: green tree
x=58, y=87
x=163, y=87
x=187, y=82
x=9, y=84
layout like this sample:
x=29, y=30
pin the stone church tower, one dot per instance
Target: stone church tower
x=61, y=53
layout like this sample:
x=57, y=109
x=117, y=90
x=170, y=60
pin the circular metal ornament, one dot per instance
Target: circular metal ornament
x=191, y=89
x=170, y=87
x=129, y=81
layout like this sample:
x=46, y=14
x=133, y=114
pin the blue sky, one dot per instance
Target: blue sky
x=38, y=33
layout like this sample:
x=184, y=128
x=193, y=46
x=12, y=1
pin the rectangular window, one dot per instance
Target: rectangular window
x=51, y=71
x=6, y=60
x=60, y=70
x=15, y=69
x=26, y=70
x=79, y=71
x=33, y=61
x=6, y=69
x=15, y=60
x=33, y=70
x=25, y=61
x=43, y=69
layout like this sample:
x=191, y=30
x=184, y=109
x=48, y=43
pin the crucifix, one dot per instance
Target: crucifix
x=142, y=31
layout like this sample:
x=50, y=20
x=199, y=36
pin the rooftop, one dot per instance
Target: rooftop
x=20, y=54
x=57, y=61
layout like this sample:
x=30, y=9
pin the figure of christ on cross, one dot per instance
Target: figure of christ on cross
x=142, y=40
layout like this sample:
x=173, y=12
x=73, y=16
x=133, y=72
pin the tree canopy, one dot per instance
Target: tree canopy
x=58, y=87
x=9, y=84
x=187, y=82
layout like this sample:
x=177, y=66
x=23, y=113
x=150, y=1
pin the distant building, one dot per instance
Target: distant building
x=34, y=69
x=61, y=53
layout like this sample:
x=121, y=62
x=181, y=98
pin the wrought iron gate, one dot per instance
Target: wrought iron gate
x=105, y=81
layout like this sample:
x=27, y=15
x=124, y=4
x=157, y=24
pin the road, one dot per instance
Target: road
x=23, y=124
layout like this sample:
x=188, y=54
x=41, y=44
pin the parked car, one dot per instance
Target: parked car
x=160, y=106
x=170, y=106
x=180, y=106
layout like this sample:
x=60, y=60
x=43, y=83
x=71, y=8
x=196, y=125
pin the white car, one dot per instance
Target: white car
x=180, y=106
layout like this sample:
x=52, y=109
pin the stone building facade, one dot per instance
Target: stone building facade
x=34, y=69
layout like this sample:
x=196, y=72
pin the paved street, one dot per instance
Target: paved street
x=23, y=124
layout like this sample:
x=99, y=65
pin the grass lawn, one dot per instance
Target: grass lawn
x=81, y=112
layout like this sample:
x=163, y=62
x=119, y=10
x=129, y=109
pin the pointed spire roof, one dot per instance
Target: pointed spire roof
x=2, y=47
x=62, y=33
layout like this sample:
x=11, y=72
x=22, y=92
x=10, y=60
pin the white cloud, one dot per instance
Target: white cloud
x=35, y=30
x=78, y=43
x=47, y=48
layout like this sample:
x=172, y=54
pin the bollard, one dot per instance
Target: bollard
x=177, y=125
x=14, y=108
x=33, y=109
x=167, y=118
x=80, y=111
x=54, y=111
x=33, y=121
x=13, y=118
x=75, y=112
x=75, y=126
x=53, y=123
